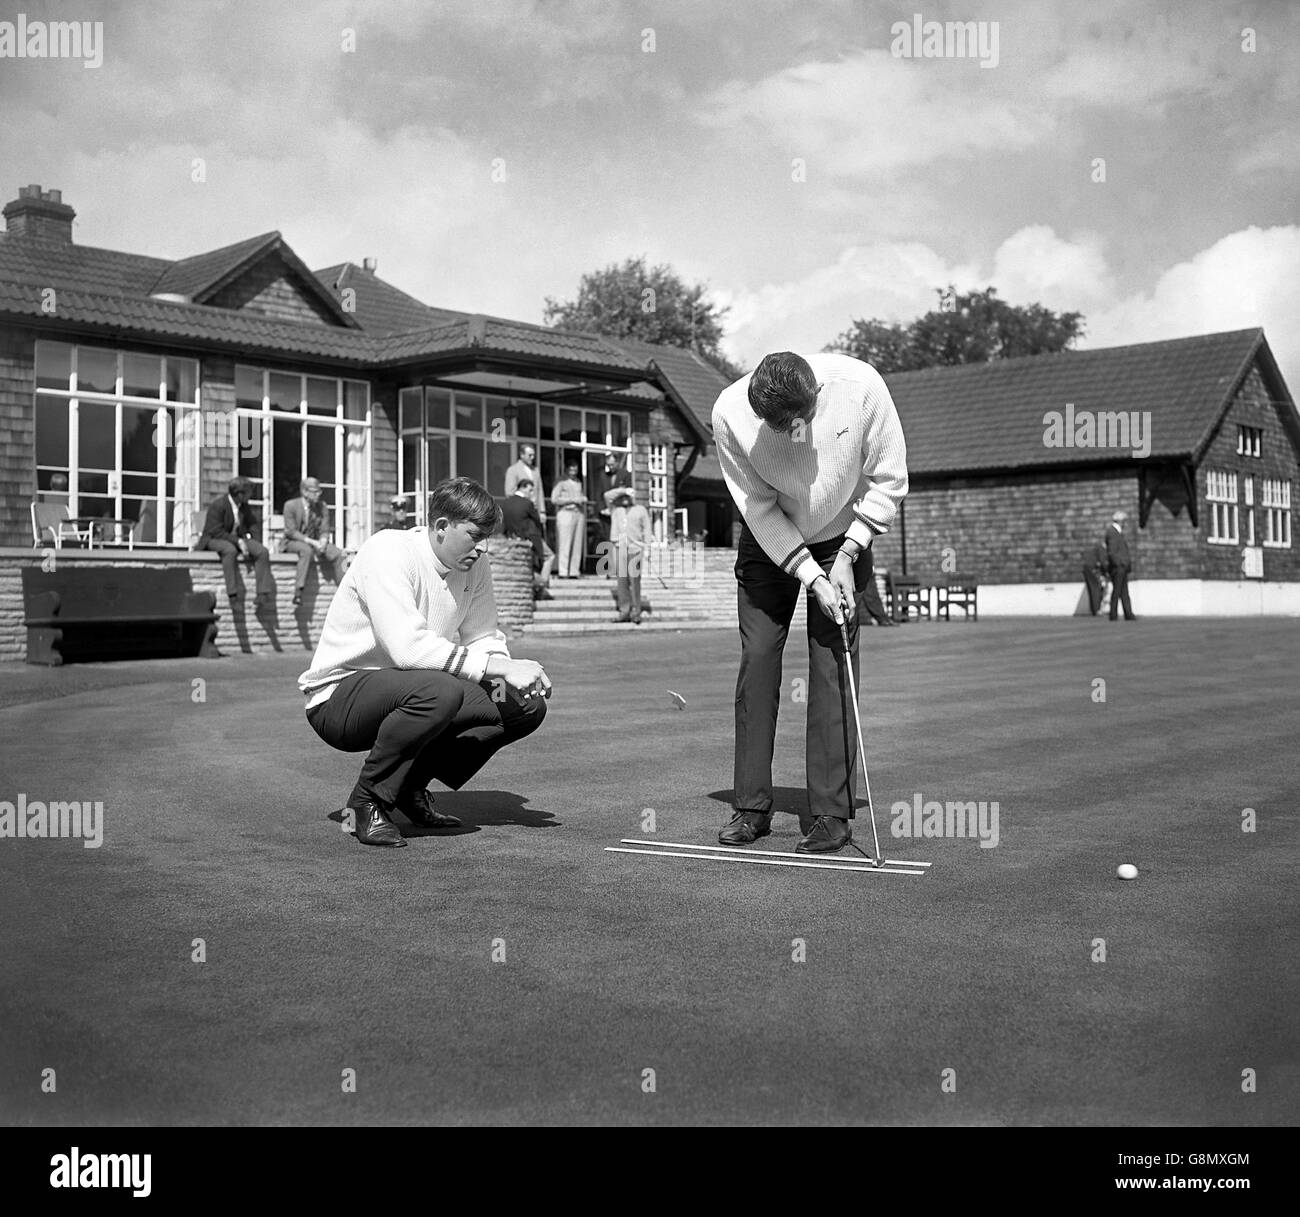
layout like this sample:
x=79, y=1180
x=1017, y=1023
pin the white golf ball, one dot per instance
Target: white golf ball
x=1127, y=871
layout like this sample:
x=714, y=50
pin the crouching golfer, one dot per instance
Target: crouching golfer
x=412, y=667
x=813, y=454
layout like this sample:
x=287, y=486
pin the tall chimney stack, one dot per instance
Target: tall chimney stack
x=39, y=215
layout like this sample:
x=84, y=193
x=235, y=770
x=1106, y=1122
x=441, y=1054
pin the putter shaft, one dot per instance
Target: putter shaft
x=862, y=751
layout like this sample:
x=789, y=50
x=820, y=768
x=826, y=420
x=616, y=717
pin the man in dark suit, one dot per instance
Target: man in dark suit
x=1096, y=562
x=1120, y=562
x=307, y=534
x=520, y=519
x=614, y=476
x=229, y=531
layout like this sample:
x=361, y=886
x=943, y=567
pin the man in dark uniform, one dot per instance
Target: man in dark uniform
x=1095, y=564
x=1120, y=563
x=229, y=531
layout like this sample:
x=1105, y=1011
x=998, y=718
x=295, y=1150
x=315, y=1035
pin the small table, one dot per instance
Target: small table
x=85, y=528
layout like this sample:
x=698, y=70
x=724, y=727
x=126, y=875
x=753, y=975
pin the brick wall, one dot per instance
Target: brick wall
x=1277, y=459
x=286, y=629
x=17, y=435
x=383, y=448
x=270, y=289
x=217, y=395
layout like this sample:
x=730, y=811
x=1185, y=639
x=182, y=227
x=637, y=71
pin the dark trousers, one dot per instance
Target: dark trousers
x=229, y=552
x=420, y=725
x=766, y=599
x=1093, y=580
x=1118, y=592
x=330, y=555
x=870, y=597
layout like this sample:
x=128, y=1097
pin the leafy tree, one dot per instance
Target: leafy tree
x=649, y=303
x=970, y=327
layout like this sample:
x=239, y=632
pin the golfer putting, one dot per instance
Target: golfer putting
x=813, y=454
x=412, y=667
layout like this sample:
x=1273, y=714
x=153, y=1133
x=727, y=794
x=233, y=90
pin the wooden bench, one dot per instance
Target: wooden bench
x=907, y=596
x=957, y=591
x=105, y=613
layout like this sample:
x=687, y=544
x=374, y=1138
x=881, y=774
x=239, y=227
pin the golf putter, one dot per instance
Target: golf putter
x=879, y=859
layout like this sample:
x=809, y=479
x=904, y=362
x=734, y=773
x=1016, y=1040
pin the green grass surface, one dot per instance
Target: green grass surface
x=323, y=955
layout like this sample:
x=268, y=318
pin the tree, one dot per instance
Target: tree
x=652, y=304
x=973, y=327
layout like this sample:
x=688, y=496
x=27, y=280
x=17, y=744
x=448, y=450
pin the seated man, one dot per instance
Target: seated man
x=411, y=665
x=522, y=520
x=307, y=534
x=228, y=530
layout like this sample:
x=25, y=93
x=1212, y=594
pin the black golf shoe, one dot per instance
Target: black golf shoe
x=745, y=827
x=827, y=834
x=374, y=827
x=418, y=808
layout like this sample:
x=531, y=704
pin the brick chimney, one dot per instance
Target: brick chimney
x=40, y=214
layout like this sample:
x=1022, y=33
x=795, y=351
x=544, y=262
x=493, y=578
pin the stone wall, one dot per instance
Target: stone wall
x=282, y=629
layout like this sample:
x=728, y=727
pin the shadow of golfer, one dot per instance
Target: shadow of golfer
x=476, y=810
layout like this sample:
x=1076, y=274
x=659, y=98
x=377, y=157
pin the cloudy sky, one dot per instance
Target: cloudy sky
x=488, y=152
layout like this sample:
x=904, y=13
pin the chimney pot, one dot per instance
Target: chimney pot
x=370, y=264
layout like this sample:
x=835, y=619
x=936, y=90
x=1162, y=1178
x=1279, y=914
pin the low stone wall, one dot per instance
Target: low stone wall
x=280, y=628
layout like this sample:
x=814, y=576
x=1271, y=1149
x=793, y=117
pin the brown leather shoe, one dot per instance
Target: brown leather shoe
x=745, y=827
x=827, y=834
x=419, y=810
x=374, y=827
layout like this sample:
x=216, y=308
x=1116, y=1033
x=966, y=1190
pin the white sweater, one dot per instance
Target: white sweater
x=399, y=607
x=847, y=474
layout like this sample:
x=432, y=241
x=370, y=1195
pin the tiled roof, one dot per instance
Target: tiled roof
x=382, y=308
x=990, y=415
x=61, y=264
x=509, y=338
x=190, y=276
x=696, y=382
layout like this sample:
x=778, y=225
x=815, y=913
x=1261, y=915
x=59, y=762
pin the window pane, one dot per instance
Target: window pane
x=469, y=458
x=286, y=444
x=618, y=430
x=439, y=409
x=139, y=486
x=498, y=461
x=322, y=396
x=284, y=392
x=497, y=423
x=439, y=460
x=141, y=375
x=97, y=435
x=526, y=419
x=248, y=386
x=595, y=422
x=571, y=425
x=53, y=365
x=139, y=450
x=52, y=431
x=356, y=399
x=96, y=370
x=469, y=415
x=320, y=454
x=409, y=410
x=182, y=378
x=546, y=422
x=410, y=460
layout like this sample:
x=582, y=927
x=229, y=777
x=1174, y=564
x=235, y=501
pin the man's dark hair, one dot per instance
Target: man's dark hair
x=236, y=485
x=782, y=388
x=463, y=499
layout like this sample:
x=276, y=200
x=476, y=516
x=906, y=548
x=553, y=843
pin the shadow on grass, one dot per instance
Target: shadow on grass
x=791, y=799
x=476, y=809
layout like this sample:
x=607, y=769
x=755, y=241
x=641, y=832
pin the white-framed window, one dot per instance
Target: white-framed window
x=1250, y=441
x=292, y=426
x=117, y=438
x=1276, y=501
x=470, y=433
x=657, y=468
x=1221, y=496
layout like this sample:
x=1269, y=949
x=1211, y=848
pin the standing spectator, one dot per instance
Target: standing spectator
x=228, y=531
x=611, y=478
x=569, y=499
x=1120, y=562
x=519, y=514
x=307, y=534
x=871, y=597
x=1095, y=563
x=398, y=517
x=629, y=534
x=526, y=467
